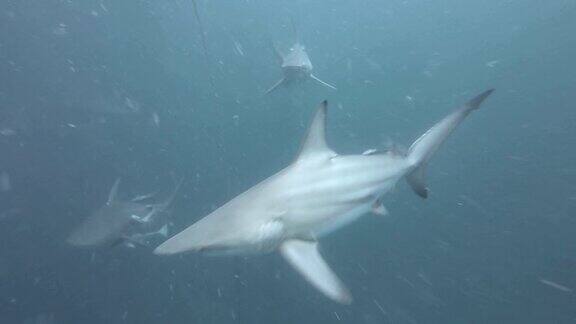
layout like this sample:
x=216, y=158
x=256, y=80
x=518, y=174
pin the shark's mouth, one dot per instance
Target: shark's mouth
x=294, y=73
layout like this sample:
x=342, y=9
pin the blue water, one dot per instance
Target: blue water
x=95, y=90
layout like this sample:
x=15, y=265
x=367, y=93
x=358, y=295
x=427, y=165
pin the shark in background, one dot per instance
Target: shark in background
x=296, y=65
x=318, y=193
x=132, y=223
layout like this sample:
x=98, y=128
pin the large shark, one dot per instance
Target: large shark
x=130, y=222
x=296, y=66
x=316, y=194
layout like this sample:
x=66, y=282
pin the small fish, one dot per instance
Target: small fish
x=238, y=48
x=492, y=64
x=380, y=307
x=7, y=214
x=7, y=132
x=60, y=30
x=155, y=119
x=132, y=104
x=236, y=120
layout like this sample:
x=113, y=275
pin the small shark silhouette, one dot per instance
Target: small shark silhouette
x=296, y=65
x=316, y=194
x=122, y=221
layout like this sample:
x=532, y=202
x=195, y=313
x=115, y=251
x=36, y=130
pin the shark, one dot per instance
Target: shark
x=296, y=66
x=118, y=222
x=319, y=192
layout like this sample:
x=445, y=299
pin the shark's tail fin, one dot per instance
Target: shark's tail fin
x=426, y=145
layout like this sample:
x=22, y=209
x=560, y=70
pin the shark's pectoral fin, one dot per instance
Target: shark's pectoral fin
x=322, y=82
x=305, y=258
x=117, y=242
x=275, y=86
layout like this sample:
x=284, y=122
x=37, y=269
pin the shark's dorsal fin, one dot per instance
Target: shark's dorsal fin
x=304, y=257
x=113, y=192
x=315, y=141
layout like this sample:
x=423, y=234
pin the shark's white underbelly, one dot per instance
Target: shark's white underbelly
x=340, y=221
x=326, y=212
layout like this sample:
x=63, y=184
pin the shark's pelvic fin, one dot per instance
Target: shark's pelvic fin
x=315, y=141
x=379, y=209
x=117, y=242
x=322, y=82
x=113, y=192
x=275, y=86
x=416, y=181
x=305, y=258
x=163, y=231
x=426, y=145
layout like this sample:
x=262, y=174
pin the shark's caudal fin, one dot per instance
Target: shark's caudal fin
x=275, y=86
x=322, y=82
x=305, y=258
x=426, y=145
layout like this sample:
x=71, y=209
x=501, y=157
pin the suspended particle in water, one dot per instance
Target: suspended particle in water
x=5, y=184
x=555, y=285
